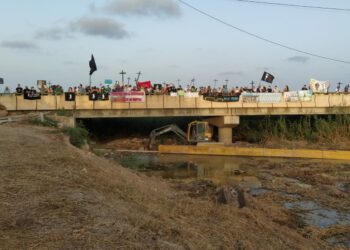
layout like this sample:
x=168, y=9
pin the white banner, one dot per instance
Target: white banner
x=132, y=96
x=191, y=95
x=262, y=97
x=292, y=96
x=305, y=95
x=298, y=96
x=319, y=86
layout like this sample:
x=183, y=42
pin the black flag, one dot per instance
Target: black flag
x=92, y=64
x=267, y=77
x=1, y=80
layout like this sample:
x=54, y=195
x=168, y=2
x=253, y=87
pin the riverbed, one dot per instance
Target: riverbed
x=314, y=192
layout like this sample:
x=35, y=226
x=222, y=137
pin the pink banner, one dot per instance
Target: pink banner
x=132, y=96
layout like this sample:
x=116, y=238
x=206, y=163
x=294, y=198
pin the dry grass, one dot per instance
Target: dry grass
x=53, y=195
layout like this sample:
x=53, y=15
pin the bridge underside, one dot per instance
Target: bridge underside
x=224, y=119
x=209, y=112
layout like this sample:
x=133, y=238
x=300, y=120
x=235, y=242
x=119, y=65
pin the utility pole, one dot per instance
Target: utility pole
x=192, y=81
x=215, y=81
x=129, y=80
x=122, y=73
x=252, y=83
x=226, y=81
x=138, y=76
x=178, y=82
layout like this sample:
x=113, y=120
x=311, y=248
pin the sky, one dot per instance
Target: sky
x=166, y=40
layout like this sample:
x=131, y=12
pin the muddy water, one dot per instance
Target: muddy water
x=318, y=192
x=222, y=171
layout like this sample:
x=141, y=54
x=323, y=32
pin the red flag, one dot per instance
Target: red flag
x=146, y=85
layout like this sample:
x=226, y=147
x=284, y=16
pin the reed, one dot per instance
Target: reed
x=331, y=128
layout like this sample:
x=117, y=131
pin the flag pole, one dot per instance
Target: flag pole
x=90, y=82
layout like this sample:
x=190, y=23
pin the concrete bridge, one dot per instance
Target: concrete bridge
x=224, y=115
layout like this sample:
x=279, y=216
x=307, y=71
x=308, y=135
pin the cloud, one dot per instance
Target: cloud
x=298, y=59
x=104, y=27
x=92, y=7
x=52, y=34
x=23, y=45
x=158, y=8
x=173, y=66
x=70, y=63
x=263, y=68
x=231, y=73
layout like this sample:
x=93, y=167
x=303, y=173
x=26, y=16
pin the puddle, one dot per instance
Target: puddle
x=222, y=171
x=341, y=186
x=318, y=216
x=255, y=192
x=342, y=241
x=290, y=195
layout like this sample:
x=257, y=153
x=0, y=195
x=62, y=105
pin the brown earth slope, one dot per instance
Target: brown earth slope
x=53, y=195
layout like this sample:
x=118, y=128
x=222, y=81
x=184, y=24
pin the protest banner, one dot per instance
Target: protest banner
x=319, y=86
x=132, y=96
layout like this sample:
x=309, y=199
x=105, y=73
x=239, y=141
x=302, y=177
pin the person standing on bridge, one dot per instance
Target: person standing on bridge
x=19, y=90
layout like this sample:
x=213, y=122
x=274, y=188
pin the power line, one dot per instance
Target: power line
x=293, y=5
x=260, y=37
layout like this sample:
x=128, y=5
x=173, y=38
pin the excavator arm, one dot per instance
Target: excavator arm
x=166, y=129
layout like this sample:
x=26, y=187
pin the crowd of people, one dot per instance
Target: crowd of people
x=156, y=89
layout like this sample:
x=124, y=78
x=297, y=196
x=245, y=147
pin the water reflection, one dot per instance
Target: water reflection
x=220, y=170
x=319, y=216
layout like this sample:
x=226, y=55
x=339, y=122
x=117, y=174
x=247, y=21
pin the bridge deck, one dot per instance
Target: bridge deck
x=163, y=105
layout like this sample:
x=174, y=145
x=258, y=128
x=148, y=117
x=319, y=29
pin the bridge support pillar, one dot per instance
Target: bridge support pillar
x=225, y=126
x=225, y=135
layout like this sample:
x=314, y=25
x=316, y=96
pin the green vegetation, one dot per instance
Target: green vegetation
x=324, y=129
x=77, y=136
x=129, y=162
x=47, y=122
x=64, y=112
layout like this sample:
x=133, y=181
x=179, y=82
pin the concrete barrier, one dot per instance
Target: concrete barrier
x=346, y=100
x=102, y=104
x=235, y=104
x=9, y=102
x=187, y=103
x=294, y=104
x=321, y=100
x=178, y=106
x=63, y=104
x=335, y=100
x=120, y=105
x=47, y=103
x=309, y=104
x=254, y=152
x=265, y=105
x=201, y=103
x=83, y=102
x=282, y=104
x=249, y=104
x=219, y=105
x=23, y=104
x=138, y=105
x=171, y=102
x=155, y=102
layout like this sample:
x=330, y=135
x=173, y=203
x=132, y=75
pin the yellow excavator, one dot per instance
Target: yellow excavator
x=197, y=131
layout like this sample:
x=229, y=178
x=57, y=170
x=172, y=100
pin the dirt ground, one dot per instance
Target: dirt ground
x=55, y=196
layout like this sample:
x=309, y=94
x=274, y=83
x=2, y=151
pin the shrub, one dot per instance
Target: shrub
x=47, y=122
x=77, y=136
x=309, y=128
x=63, y=112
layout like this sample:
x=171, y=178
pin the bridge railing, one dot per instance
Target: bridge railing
x=58, y=102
